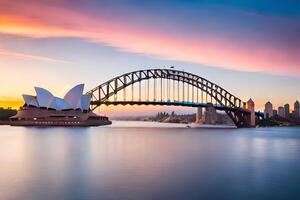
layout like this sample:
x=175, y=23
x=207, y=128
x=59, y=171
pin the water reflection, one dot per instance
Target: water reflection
x=148, y=163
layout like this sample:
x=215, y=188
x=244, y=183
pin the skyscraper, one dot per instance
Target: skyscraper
x=280, y=111
x=251, y=106
x=297, y=109
x=268, y=109
x=287, y=110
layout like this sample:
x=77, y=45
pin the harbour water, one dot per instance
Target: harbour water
x=145, y=160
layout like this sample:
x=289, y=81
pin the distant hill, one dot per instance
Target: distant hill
x=172, y=117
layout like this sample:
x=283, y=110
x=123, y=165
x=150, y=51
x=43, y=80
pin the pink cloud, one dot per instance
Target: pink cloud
x=40, y=20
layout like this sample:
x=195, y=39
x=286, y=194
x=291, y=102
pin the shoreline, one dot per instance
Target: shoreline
x=204, y=125
x=2, y=122
x=193, y=125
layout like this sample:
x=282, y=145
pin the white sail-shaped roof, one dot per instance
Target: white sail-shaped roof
x=44, y=97
x=60, y=104
x=72, y=100
x=30, y=100
x=73, y=97
x=85, y=102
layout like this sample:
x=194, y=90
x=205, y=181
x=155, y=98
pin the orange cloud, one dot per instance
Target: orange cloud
x=40, y=20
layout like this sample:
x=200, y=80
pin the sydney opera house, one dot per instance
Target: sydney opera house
x=44, y=109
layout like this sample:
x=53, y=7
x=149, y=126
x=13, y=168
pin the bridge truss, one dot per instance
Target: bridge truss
x=169, y=87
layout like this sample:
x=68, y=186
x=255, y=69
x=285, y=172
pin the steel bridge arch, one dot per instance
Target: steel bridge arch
x=232, y=105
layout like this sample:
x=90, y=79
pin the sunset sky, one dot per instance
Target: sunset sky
x=251, y=48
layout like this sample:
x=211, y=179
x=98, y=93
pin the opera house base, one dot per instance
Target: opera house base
x=29, y=116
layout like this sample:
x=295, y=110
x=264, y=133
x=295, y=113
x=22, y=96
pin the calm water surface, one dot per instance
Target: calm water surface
x=137, y=161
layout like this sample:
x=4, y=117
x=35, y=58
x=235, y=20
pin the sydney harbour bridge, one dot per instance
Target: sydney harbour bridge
x=172, y=88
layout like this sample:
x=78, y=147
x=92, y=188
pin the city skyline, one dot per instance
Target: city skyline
x=250, y=49
x=284, y=111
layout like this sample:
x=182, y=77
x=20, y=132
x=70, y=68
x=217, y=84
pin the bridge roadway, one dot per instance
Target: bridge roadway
x=172, y=103
x=165, y=103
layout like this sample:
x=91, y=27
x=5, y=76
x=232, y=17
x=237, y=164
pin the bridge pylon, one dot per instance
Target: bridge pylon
x=210, y=114
x=199, y=115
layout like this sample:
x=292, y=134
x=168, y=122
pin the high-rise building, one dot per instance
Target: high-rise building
x=297, y=109
x=251, y=106
x=280, y=111
x=268, y=109
x=275, y=113
x=287, y=110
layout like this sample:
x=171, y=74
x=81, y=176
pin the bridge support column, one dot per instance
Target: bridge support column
x=251, y=108
x=199, y=116
x=210, y=114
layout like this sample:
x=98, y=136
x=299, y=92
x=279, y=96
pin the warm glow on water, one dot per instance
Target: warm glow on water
x=137, y=160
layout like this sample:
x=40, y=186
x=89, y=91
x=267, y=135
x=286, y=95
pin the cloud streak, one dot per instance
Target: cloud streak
x=23, y=56
x=203, y=47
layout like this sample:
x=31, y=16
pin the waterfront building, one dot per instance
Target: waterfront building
x=48, y=110
x=275, y=113
x=287, y=110
x=281, y=111
x=297, y=109
x=268, y=110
